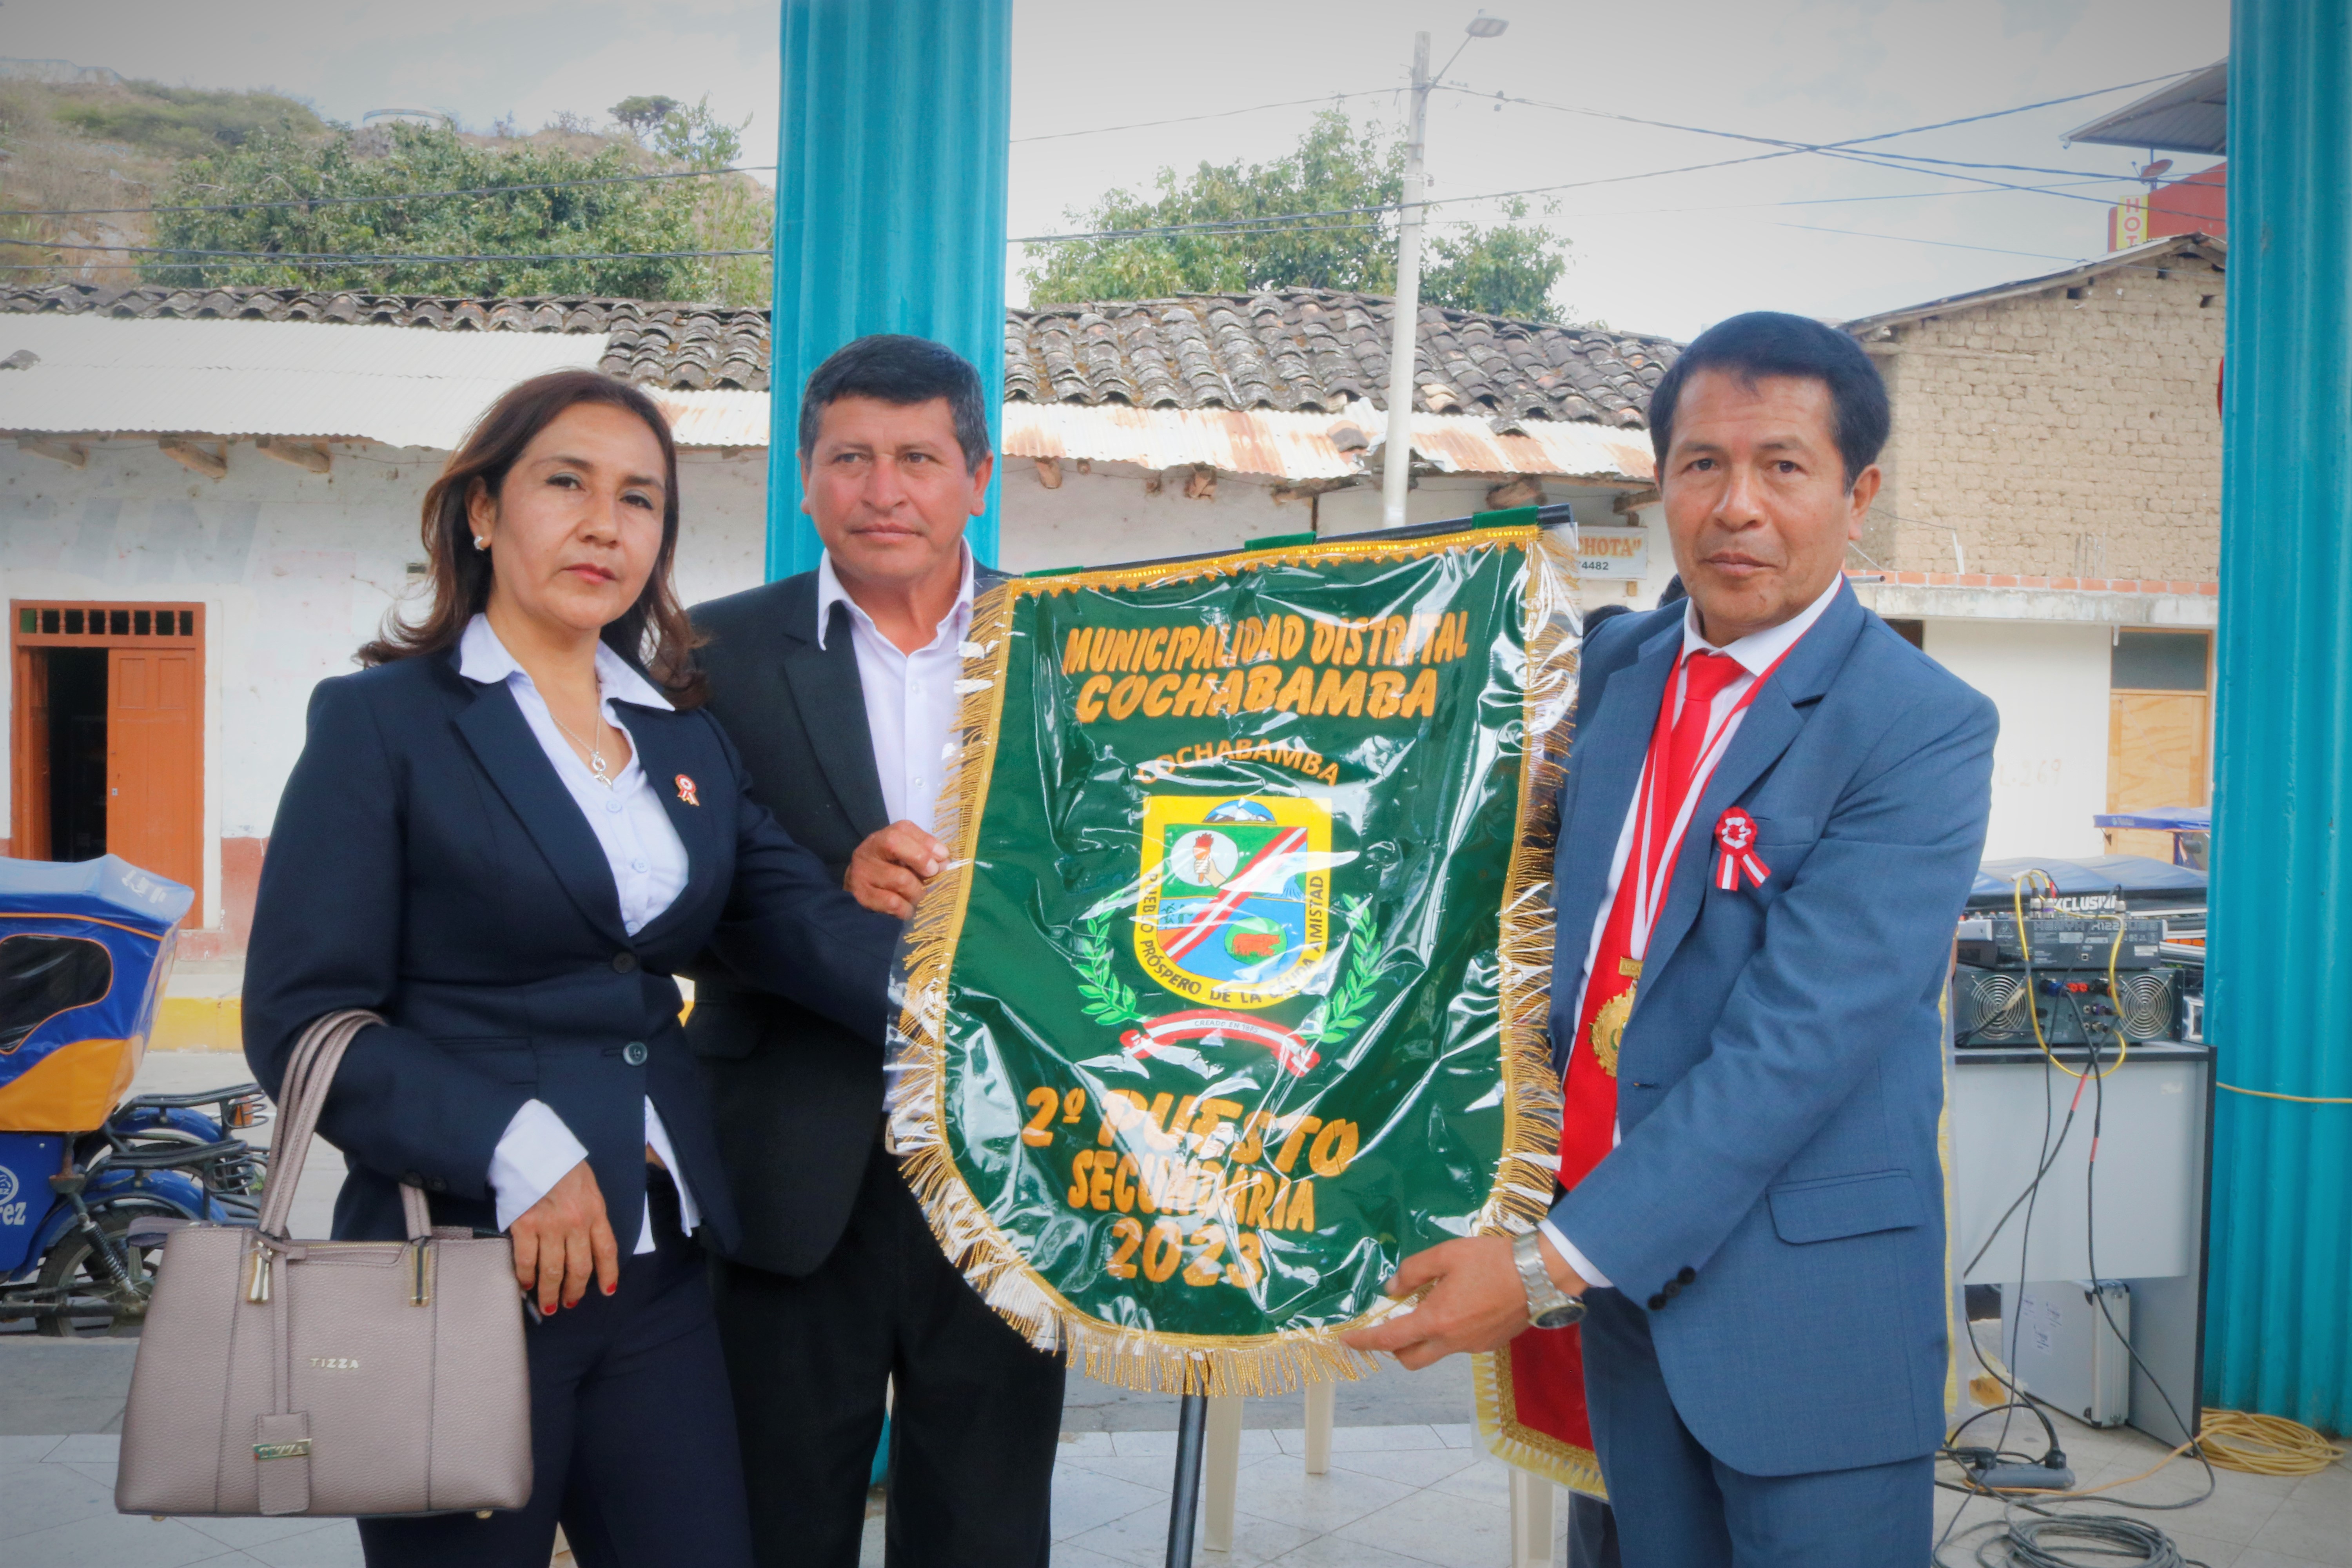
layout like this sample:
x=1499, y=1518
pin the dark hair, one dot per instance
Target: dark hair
x=1769, y=342
x=652, y=634
x=891, y=368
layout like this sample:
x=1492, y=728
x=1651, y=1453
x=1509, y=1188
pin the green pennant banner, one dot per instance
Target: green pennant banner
x=1233, y=994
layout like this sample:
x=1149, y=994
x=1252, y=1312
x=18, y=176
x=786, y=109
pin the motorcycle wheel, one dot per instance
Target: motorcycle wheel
x=93, y=1309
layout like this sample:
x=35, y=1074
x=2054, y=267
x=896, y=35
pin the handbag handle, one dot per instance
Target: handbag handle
x=302, y=1096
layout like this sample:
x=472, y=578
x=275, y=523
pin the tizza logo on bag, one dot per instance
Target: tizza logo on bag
x=336, y=1362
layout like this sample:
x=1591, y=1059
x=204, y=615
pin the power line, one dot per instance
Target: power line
x=1810, y=147
x=1783, y=149
x=1191, y=118
x=369, y=258
x=1949, y=244
x=614, y=179
x=395, y=196
x=1876, y=161
x=1901, y=160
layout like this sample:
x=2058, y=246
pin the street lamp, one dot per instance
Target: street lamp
x=1397, y=471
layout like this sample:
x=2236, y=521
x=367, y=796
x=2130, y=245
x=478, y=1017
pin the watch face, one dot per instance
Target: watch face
x=1561, y=1316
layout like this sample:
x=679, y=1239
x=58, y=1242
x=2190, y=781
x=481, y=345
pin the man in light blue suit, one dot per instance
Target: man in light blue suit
x=1746, y=1016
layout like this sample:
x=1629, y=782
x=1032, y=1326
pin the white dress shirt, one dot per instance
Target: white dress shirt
x=649, y=863
x=1755, y=654
x=910, y=698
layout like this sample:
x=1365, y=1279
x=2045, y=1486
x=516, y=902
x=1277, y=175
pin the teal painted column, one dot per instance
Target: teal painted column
x=893, y=138
x=2279, y=1332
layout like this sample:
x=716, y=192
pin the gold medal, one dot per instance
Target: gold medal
x=1608, y=1023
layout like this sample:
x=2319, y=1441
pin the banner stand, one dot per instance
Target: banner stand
x=1184, y=1503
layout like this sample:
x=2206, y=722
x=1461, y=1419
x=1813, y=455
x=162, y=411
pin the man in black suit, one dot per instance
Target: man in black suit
x=839, y=686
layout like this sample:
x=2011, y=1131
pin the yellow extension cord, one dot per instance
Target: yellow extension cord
x=2265, y=1445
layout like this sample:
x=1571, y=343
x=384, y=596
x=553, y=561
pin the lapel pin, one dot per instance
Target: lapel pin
x=1736, y=832
x=686, y=790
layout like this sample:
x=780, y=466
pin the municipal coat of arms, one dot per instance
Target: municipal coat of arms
x=1236, y=905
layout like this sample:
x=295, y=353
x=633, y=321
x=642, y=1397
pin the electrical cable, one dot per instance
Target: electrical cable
x=1783, y=149
x=2265, y=1445
x=1947, y=244
x=1770, y=140
x=393, y=196
x=1192, y=118
x=2034, y=1543
x=2291, y=1099
x=364, y=258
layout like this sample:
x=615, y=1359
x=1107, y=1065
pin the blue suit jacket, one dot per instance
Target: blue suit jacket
x=429, y=864
x=1777, y=1198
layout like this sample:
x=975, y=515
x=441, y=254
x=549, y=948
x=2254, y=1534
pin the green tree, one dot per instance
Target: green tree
x=1509, y=268
x=732, y=212
x=581, y=220
x=643, y=112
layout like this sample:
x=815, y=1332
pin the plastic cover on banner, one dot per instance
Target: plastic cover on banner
x=1234, y=991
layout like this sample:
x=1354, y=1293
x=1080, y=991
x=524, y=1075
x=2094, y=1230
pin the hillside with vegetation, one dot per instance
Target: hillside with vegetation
x=307, y=202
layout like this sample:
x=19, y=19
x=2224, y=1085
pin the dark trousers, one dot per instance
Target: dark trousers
x=1592, y=1533
x=632, y=1436
x=978, y=1413
x=1677, y=1506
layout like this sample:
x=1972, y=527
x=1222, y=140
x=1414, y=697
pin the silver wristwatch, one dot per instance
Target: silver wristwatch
x=1548, y=1306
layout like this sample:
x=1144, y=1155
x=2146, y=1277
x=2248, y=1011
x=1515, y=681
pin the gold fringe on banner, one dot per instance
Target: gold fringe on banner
x=1152, y=1360
x=1515, y=1442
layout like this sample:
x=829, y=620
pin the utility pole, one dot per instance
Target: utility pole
x=1397, y=473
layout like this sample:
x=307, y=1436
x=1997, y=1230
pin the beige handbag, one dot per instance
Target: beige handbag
x=328, y=1378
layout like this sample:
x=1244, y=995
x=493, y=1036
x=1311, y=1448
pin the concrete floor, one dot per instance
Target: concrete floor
x=1409, y=1487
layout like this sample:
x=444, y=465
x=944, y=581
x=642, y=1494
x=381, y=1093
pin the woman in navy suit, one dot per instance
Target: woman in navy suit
x=504, y=836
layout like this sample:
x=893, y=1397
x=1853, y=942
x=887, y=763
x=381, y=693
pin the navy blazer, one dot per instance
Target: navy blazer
x=428, y=863
x=799, y=1100
x=1776, y=1200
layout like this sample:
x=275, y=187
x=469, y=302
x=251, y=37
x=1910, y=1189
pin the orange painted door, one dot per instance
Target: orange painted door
x=155, y=743
x=29, y=786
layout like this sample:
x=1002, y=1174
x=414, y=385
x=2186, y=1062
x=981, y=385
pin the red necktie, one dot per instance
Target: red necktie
x=1588, y=1111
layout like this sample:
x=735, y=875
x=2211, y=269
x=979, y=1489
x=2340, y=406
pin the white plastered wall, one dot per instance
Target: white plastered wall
x=2050, y=768
x=295, y=571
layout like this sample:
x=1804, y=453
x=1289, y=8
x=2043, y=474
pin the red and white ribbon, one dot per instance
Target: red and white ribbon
x=1735, y=831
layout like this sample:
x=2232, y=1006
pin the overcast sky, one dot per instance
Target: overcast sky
x=1664, y=254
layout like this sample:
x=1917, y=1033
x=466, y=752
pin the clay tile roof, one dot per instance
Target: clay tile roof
x=1314, y=350
x=1294, y=349
x=687, y=347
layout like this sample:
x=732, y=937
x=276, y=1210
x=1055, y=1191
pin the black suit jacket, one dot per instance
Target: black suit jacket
x=429, y=864
x=798, y=1098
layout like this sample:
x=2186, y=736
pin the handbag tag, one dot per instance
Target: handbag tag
x=282, y=1448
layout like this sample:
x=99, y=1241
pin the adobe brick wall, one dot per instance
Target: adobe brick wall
x=2062, y=439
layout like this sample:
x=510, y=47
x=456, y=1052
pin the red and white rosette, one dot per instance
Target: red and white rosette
x=1734, y=834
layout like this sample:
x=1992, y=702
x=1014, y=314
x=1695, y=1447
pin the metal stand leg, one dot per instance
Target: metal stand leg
x=1322, y=1407
x=1531, y=1505
x=1222, y=1468
x=1191, y=1423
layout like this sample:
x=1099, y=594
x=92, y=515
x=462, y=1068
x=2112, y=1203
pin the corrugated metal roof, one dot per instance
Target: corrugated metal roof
x=1462, y=444
x=2197, y=247
x=268, y=378
x=715, y=418
x=407, y=388
x=1296, y=447
x=2191, y=115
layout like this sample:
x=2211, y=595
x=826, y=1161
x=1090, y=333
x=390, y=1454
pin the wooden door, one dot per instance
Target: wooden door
x=155, y=757
x=2160, y=721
